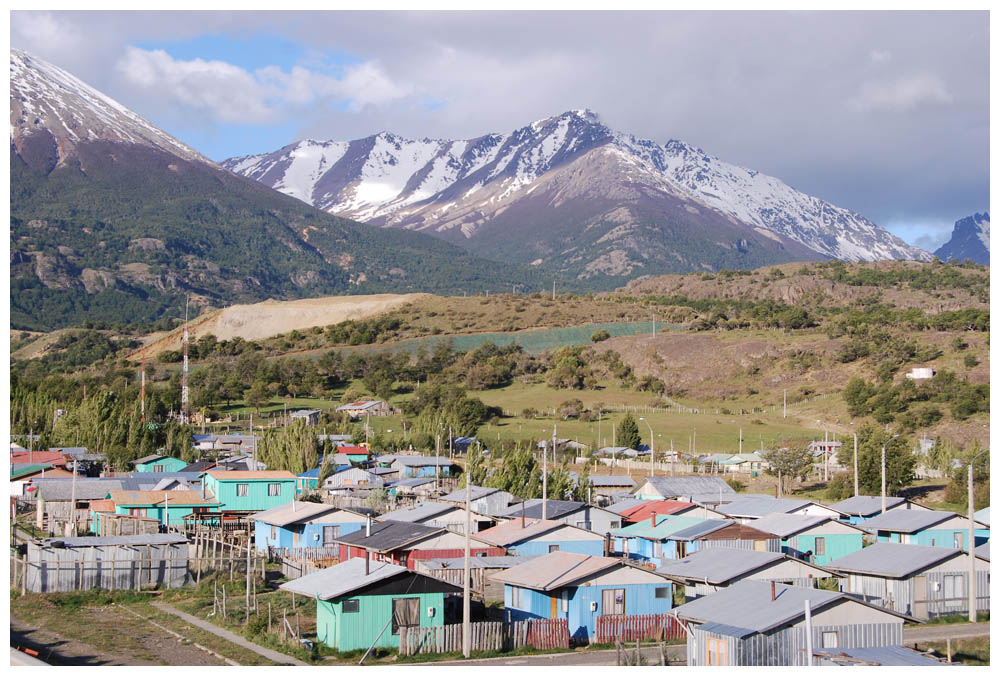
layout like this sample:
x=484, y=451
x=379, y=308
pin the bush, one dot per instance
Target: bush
x=598, y=336
x=970, y=361
x=736, y=485
x=840, y=488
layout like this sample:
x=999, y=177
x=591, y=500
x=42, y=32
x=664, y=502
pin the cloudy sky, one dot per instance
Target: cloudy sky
x=885, y=113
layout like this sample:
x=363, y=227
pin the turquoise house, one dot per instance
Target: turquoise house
x=167, y=507
x=860, y=508
x=535, y=537
x=579, y=588
x=159, y=463
x=360, y=603
x=303, y=524
x=817, y=539
x=644, y=541
x=930, y=528
x=246, y=491
x=307, y=481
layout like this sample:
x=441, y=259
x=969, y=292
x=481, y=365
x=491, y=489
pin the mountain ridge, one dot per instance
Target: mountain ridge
x=970, y=239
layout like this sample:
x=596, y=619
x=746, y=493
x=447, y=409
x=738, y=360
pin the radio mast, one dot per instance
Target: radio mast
x=184, y=375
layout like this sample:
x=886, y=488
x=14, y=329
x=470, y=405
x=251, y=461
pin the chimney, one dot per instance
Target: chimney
x=368, y=528
x=772, y=590
x=652, y=520
x=368, y=555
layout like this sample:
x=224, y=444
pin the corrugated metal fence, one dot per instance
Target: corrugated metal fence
x=486, y=636
x=105, y=567
x=611, y=628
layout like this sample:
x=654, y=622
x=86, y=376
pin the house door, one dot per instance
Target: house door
x=613, y=602
x=760, y=545
x=330, y=533
x=715, y=652
x=405, y=613
x=919, y=609
x=554, y=606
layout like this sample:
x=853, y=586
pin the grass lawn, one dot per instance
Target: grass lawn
x=972, y=651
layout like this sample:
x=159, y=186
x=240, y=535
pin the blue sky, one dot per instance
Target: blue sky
x=884, y=113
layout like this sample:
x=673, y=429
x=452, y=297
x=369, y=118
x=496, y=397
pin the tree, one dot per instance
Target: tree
x=378, y=500
x=581, y=492
x=560, y=484
x=477, y=470
x=628, y=432
x=788, y=464
x=899, y=461
x=291, y=448
x=256, y=395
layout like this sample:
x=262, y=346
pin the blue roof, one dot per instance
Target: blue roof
x=313, y=473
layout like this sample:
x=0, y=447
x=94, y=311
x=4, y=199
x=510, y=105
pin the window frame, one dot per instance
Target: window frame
x=836, y=639
x=242, y=490
x=274, y=489
x=354, y=608
x=819, y=546
x=553, y=548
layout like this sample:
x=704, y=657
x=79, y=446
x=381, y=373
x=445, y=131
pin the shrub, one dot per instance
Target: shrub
x=598, y=336
x=970, y=361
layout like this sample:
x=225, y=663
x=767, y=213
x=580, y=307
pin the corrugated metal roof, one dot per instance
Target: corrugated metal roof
x=625, y=505
x=555, y=509
x=389, y=535
x=684, y=486
x=476, y=493
x=700, y=529
x=983, y=550
x=86, y=489
x=555, y=570
x=148, y=539
x=982, y=516
x=412, y=483
x=146, y=458
x=510, y=532
x=606, y=480
x=419, y=513
x=884, y=656
x=757, y=506
x=102, y=505
x=421, y=461
x=787, y=525
x=865, y=505
x=907, y=520
x=648, y=508
x=665, y=526
x=284, y=515
x=237, y=475
x=344, y=578
x=748, y=605
x=719, y=565
x=478, y=562
x=725, y=629
x=892, y=559
x=180, y=497
x=19, y=469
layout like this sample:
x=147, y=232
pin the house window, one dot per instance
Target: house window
x=157, y=468
x=330, y=533
x=613, y=601
x=583, y=524
x=715, y=652
x=820, y=548
x=553, y=548
x=137, y=511
x=242, y=490
x=954, y=588
x=273, y=490
x=663, y=592
x=830, y=639
x=518, y=598
x=959, y=540
x=564, y=600
x=405, y=613
x=351, y=606
x=616, y=524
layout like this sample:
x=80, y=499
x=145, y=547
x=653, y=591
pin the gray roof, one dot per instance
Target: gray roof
x=148, y=539
x=983, y=550
x=892, y=559
x=412, y=483
x=787, y=525
x=186, y=476
x=421, y=461
x=293, y=512
x=476, y=493
x=389, y=535
x=883, y=656
x=418, y=513
x=747, y=605
x=58, y=490
x=478, y=562
x=759, y=505
x=680, y=486
x=555, y=509
x=622, y=505
x=719, y=565
x=607, y=480
x=865, y=505
x=345, y=578
x=699, y=530
x=147, y=458
x=907, y=520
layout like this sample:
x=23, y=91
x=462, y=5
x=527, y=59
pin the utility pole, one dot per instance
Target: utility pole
x=855, y=464
x=73, y=499
x=253, y=445
x=673, y=457
x=972, y=544
x=883, y=478
x=784, y=404
x=142, y=388
x=652, y=468
x=826, y=455
x=741, y=440
x=553, y=289
x=545, y=474
x=437, y=464
x=466, y=613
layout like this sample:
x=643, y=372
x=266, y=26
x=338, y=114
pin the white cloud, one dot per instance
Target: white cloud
x=229, y=93
x=901, y=95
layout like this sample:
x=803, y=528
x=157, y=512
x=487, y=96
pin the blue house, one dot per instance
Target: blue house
x=815, y=538
x=674, y=537
x=580, y=588
x=925, y=527
x=303, y=524
x=414, y=466
x=535, y=537
x=307, y=481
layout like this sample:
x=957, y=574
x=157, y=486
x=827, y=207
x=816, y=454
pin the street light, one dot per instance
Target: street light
x=883, y=474
x=972, y=543
x=652, y=469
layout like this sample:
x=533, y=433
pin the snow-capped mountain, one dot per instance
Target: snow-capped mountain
x=44, y=97
x=969, y=240
x=462, y=189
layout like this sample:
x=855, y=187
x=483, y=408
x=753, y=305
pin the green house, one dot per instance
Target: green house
x=170, y=505
x=246, y=491
x=159, y=463
x=360, y=603
x=819, y=539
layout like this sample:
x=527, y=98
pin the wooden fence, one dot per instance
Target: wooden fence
x=491, y=636
x=612, y=628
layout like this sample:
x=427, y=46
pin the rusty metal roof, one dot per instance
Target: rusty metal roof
x=234, y=475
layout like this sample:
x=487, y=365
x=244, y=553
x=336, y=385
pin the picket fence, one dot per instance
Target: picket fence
x=491, y=636
x=611, y=628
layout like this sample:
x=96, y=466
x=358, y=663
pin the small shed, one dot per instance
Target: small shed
x=365, y=407
x=363, y=603
x=580, y=588
x=683, y=488
x=310, y=416
x=755, y=623
x=707, y=571
x=351, y=479
x=913, y=579
x=118, y=562
x=416, y=487
x=534, y=537
x=925, y=527
x=817, y=539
